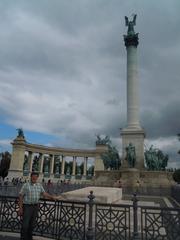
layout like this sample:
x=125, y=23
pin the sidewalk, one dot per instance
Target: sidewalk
x=16, y=236
x=4, y=236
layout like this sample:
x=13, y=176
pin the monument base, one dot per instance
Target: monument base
x=133, y=180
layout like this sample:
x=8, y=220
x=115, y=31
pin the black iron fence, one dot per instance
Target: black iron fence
x=90, y=220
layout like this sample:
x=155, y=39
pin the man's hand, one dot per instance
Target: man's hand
x=53, y=197
x=20, y=211
x=60, y=197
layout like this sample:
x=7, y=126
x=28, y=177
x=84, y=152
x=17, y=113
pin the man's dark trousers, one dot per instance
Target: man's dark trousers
x=30, y=212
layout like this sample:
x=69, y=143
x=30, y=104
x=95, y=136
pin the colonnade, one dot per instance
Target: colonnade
x=50, y=165
x=51, y=161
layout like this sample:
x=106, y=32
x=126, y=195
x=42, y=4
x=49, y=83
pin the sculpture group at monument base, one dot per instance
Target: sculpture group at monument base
x=134, y=180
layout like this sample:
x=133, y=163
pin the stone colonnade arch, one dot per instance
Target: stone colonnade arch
x=50, y=161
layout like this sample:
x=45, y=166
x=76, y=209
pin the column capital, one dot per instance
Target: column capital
x=131, y=40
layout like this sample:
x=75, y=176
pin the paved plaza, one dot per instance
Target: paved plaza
x=16, y=236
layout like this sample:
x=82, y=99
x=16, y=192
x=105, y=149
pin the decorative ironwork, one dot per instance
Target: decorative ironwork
x=112, y=222
x=46, y=221
x=9, y=219
x=160, y=223
x=71, y=220
x=66, y=220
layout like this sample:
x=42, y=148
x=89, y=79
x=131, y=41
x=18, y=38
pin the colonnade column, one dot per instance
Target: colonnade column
x=40, y=164
x=85, y=168
x=52, y=166
x=62, y=167
x=74, y=168
x=30, y=160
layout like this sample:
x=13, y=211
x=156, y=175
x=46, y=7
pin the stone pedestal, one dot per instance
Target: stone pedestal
x=135, y=180
x=136, y=137
x=100, y=149
x=17, y=160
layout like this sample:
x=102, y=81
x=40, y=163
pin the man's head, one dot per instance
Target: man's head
x=34, y=177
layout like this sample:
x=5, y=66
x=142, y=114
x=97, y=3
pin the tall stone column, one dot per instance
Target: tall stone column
x=133, y=133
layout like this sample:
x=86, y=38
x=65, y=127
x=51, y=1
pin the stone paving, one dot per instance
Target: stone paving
x=16, y=236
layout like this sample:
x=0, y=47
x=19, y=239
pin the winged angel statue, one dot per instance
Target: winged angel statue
x=131, y=24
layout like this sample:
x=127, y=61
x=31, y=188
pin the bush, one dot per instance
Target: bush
x=176, y=176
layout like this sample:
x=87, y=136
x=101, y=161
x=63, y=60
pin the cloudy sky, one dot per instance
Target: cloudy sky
x=63, y=71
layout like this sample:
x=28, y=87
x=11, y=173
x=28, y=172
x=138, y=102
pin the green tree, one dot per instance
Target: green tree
x=179, y=140
x=5, y=164
x=176, y=176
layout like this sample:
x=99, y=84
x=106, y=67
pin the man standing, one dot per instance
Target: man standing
x=29, y=196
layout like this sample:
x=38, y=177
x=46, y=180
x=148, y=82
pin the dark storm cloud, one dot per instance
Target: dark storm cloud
x=164, y=122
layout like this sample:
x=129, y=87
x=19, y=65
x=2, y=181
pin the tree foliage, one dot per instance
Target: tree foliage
x=5, y=164
x=176, y=176
x=179, y=140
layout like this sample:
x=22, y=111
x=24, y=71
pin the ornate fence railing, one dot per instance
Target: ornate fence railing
x=160, y=223
x=90, y=220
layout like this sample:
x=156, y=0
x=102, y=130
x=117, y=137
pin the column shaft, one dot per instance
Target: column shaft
x=30, y=161
x=52, y=164
x=85, y=167
x=63, y=165
x=41, y=163
x=132, y=88
x=74, y=166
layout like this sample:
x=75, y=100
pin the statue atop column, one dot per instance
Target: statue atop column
x=131, y=39
x=102, y=141
x=20, y=132
x=130, y=24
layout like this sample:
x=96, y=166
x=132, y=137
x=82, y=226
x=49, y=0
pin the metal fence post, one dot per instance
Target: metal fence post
x=90, y=232
x=135, y=217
